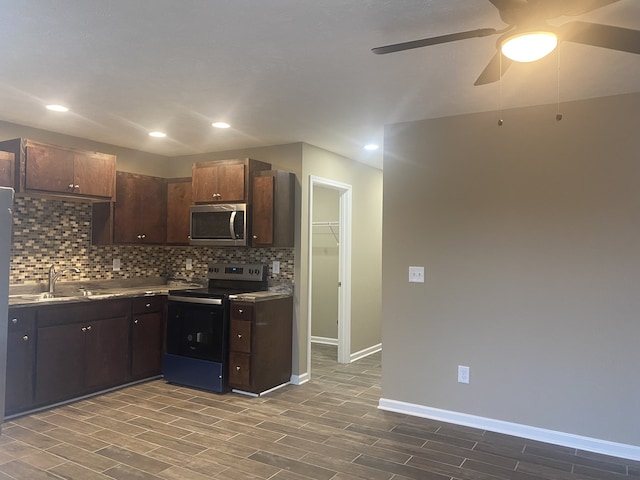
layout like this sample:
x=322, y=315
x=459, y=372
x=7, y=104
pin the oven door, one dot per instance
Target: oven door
x=197, y=328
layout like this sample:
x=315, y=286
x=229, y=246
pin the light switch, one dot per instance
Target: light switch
x=416, y=274
x=116, y=264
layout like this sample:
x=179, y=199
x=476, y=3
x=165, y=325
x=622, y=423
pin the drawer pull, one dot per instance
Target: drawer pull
x=84, y=329
x=148, y=305
x=26, y=338
x=237, y=368
x=135, y=321
x=14, y=320
x=240, y=310
x=239, y=335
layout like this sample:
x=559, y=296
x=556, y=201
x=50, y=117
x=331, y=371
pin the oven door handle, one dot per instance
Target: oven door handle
x=205, y=301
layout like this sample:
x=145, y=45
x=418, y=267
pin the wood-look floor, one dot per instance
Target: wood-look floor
x=329, y=428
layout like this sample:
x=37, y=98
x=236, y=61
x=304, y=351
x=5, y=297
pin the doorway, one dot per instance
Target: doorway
x=330, y=212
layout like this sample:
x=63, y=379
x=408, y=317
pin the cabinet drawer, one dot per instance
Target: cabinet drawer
x=239, y=368
x=240, y=337
x=147, y=304
x=241, y=311
x=21, y=319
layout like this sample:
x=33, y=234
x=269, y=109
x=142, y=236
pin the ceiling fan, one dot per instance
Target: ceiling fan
x=525, y=17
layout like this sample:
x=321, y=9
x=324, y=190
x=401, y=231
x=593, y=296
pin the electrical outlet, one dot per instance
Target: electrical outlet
x=116, y=264
x=416, y=274
x=189, y=265
x=275, y=267
x=463, y=374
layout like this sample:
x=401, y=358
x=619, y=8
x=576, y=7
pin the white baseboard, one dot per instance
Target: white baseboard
x=365, y=353
x=324, y=340
x=605, y=447
x=299, y=379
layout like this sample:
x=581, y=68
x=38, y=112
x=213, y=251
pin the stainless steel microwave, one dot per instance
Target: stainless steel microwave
x=223, y=225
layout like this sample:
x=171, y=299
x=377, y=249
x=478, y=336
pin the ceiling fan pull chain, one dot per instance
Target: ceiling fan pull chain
x=500, y=121
x=558, y=114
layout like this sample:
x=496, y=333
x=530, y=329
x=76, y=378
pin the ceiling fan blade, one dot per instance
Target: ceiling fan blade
x=425, y=42
x=554, y=8
x=493, y=70
x=598, y=35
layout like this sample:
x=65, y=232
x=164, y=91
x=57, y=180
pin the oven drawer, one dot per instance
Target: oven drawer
x=240, y=336
x=241, y=311
x=239, y=368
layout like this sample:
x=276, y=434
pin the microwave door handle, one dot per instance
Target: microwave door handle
x=232, y=219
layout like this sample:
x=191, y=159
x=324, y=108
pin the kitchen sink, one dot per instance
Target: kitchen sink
x=46, y=296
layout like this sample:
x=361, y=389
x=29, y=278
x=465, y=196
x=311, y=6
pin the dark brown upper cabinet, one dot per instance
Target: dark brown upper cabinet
x=56, y=170
x=178, y=203
x=7, y=170
x=224, y=181
x=273, y=213
x=140, y=211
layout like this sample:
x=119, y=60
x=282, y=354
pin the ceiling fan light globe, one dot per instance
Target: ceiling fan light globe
x=530, y=46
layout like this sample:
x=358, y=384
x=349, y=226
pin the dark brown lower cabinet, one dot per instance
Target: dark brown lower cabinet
x=260, y=336
x=147, y=336
x=81, y=348
x=20, y=355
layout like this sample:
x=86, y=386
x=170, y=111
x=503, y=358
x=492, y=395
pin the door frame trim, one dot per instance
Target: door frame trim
x=344, y=266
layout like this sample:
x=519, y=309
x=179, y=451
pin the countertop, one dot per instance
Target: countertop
x=69, y=292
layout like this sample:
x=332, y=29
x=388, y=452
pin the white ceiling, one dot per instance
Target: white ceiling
x=279, y=71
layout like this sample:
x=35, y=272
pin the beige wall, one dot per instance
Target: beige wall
x=530, y=238
x=366, y=243
x=324, y=282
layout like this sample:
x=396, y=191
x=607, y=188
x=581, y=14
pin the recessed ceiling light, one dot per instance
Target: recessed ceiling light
x=220, y=125
x=371, y=147
x=57, y=108
x=157, y=134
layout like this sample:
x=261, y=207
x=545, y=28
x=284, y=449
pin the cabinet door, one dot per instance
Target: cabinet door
x=216, y=182
x=106, y=352
x=146, y=345
x=20, y=360
x=263, y=209
x=93, y=174
x=140, y=211
x=49, y=168
x=178, y=203
x=59, y=362
x=204, y=182
x=231, y=187
x=7, y=165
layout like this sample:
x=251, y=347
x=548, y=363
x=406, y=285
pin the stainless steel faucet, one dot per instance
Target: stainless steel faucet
x=53, y=276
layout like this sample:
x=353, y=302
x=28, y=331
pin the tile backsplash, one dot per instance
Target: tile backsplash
x=58, y=232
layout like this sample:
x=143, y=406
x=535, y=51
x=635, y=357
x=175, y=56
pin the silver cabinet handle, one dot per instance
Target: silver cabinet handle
x=70, y=186
x=255, y=237
x=237, y=368
x=26, y=338
x=239, y=335
x=148, y=305
x=14, y=320
x=84, y=329
x=135, y=321
x=76, y=187
x=89, y=327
